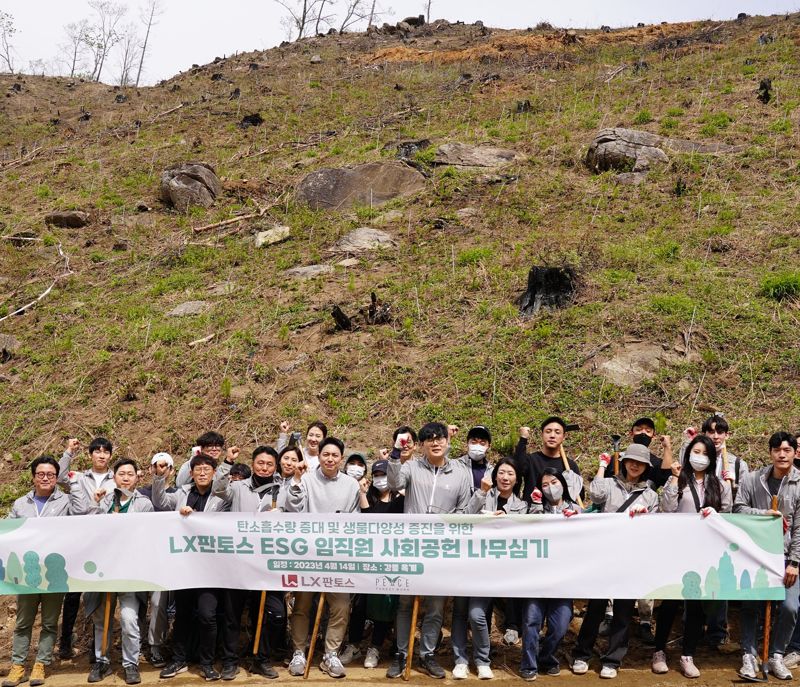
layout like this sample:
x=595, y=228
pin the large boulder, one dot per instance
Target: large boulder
x=69, y=219
x=362, y=240
x=463, y=155
x=373, y=184
x=188, y=184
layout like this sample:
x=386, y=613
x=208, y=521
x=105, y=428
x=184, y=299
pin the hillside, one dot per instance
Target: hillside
x=680, y=257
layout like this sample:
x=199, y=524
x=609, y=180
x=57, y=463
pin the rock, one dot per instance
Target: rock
x=9, y=345
x=463, y=155
x=251, y=120
x=348, y=262
x=405, y=27
x=415, y=21
x=362, y=240
x=371, y=184
x=276, y=235
x=631, y=178
x=291, y=365
x=633, y=363
x=222, y=288
x=548, y=287
x=308, y=272
x=390, y=217
x=71, y=219
x=189, y=308
x=121, y=98
x=316, y=59
x=408, y=149
x=631, y=150
x=188, y=184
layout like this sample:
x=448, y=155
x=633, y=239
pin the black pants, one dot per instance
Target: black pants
x=617, y=637
x=513, y=611
x=274, y=623
x=196, y=606
x=69, y=614
x=692, y=626
x=358, y=619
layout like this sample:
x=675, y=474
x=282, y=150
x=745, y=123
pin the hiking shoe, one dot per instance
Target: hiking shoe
x=580, y=667
x=778, y=668
x=553, y=671
x=528, y=675
x=209, y=673
x=484, y=673
x=349, y=654
x=792, y=659
x=15, y=676
x=429, y=665
x=37, y=674
x=397, y=667
x=460, y=671
x=332, y=665
x=511, y=637
x=265, y=669
x=659, y=664
x=608, y=672
x=230, y=672
x=373, y=658
x=605, y=626
x=748, y=671
x=173, y=668
x=132, y=676
x=688, y=668
x=100, y=671
x=297, y=666
x=157, y=659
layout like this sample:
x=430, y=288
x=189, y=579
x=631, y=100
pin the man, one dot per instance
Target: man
x=554, y=431
x=45, y=500
x=122, y=498
x=210, y=443
x=432, y=484
x=781, y=479
x=195, y=496
x=246, y=496
x=323, y=490
x=717, y=429
x=479, y=443
x=315, y=433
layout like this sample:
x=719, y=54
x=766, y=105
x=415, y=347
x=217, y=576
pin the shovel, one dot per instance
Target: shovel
x=615, y=439
x=568, y=468
x=106, y=623
x=411, y=636
x=314, y=633
x=260, y=623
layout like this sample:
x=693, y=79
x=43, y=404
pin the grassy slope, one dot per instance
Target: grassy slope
x=99, y=355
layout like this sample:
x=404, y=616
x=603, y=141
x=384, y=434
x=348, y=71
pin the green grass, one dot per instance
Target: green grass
x=782, y=286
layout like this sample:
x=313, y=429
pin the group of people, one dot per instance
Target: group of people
x=314, y=474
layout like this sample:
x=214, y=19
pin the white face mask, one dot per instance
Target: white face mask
x=698, y=461
x=476, y=452
x=356, y=471
x=381, y=483
x=553, y=492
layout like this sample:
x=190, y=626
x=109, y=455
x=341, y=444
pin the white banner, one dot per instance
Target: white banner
x=662, y=556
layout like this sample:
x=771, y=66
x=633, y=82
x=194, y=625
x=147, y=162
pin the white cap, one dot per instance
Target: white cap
x=163, y=458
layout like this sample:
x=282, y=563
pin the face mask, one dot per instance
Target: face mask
x=381, y=483
x=642, y=439
x=476, y=452
x=699, y=462
x=553, y=492
x=355, y=471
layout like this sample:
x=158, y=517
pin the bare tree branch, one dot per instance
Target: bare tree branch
x=128, y=55
x=104, y=35
x=150, y=12
x=7, y=31
x=73, y=49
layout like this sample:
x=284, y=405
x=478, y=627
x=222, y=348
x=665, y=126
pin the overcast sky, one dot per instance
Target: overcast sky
x=195, y=31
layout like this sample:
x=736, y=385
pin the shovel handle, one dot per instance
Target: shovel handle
x=106, y=622
x=412, y=633
x=260, y=622
x=314, y=632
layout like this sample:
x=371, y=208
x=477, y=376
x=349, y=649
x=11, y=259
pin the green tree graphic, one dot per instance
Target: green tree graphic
x=33, y=572
x=14, y=570
x=712, y=583
x=761, y=581
x=744, y=582
x=56, y=573
x=2, y=571
x=727, y=575
x=691, y=585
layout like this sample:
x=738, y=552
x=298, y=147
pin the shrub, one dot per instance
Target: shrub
x=782, y=285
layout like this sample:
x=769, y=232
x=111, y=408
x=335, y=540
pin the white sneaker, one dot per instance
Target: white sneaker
x=748, y=671
x=460, y=671
x=373, y=658
x=659, y=664
x=688, y=668
x=332, y=665
x=349, y=653
x=485, y=673
x=511, y=637
x=580, y=667
x=792, y=659
x=297, y=666
x=608, y=672
x=778, y=668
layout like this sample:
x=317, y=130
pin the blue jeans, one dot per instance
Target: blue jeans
x=783, y=627
x=458, y=629
x=480, y=617
x=558, y=613
x=716, y=621
x=431, y=623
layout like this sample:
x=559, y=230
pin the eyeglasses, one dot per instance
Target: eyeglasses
x=45, y=475
x=202, y=468
x=436, y=440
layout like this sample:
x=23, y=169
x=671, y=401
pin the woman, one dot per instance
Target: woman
x=693, y=488
x=315, y=434
x=551, y=496
x=627, y=492
x=498, y=496
x=288, y=460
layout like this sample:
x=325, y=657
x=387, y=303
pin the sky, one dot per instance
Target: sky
x=196, y=31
